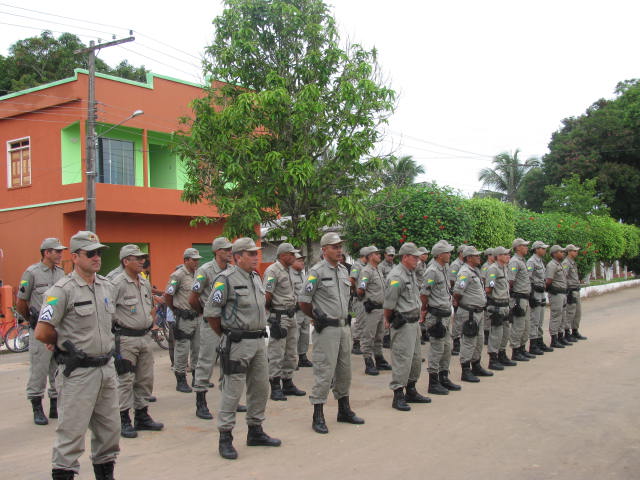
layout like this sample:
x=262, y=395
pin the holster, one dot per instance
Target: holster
x=470, y=327
x=398, y=320
x=179, y=334
x=571, y=299
x=228, y=366
x=437, y=330
x=74, y=358
x=370, y=306
x=275, y=328
x=122, y=365
x=497, y=318
x=321, y=320
x=33, y=317
x=517, y=310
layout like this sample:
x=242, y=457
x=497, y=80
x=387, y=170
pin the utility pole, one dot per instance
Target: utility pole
x=90, y=160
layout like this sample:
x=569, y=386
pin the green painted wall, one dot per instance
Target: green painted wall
x=129, y=135
x=205, y=252
x=162, y=167
x=71, y=154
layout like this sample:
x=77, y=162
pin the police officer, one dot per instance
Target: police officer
x=470, y=298
x=371, y=293
x=421, y=270
x=387, y=264
x=556, y=285
x=186, y=330
x=490, y=258
x=520, y=284
x=497, y=290
x=436, y=308
x=573, y=311
x=76, y=317
x=209, y=340
x=36, y=280
x=236, y=311
x=356, y=304
x=298, y=276
x=283, y=327
x=456, y=330
x=134, y=357
x=401, y=313
x=536, y=267
x=325, y=299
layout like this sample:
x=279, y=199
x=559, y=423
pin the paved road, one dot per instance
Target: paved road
x=572, y=414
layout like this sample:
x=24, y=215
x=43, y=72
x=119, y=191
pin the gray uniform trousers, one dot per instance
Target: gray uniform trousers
x=88, y=398
x=283, y=352
x=371, y=333
x=135, y=387
x=331, y=363
x=570, y=312
x=520, y=326
x=304, y=327
x=558, y=302
x=359, y=313
x=406, y=356
x=577, y=311
x=209, y=341
x=471, y=347
x=439, y=356
x=185, y=345
x=41, y=366
x=537, y=317
x=499, y=334
x=252, y=355
x=458, y=320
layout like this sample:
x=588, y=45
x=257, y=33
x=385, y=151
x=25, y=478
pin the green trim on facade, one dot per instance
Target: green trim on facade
x=47, y=204
x=71, y=154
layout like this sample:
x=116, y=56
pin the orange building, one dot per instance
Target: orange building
x=42, y=188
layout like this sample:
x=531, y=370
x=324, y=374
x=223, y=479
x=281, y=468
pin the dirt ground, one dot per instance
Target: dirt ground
x=571, y=414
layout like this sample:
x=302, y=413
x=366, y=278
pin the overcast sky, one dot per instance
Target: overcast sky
x=474, y=78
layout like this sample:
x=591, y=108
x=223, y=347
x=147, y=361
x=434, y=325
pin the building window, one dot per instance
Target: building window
x=19, y=163
x=116, y=162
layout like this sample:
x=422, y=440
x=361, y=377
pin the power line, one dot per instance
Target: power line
x=57, y=23
x=439, y=144
x=43, y=29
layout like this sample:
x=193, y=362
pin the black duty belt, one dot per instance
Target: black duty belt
x=439, y=312
x=411, y=319
x=289, y=312
x=183, y=313
x=520, y=295
x=569, y=290
x=557, y=291
x=497, y=303
x=538, y=288
x=86, y=362
x=472, y=309
x=245, y=334
x=129, y=332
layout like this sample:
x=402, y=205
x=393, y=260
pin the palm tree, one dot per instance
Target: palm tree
x=401, y=171
x=505, y=178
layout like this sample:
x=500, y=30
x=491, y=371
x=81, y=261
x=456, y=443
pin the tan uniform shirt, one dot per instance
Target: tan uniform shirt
x=402, y=294
x=372, y=282
x=557, y=274
x=133, y=302
x=277, y=281
x=420, y=271
x=385, y=268
x=483, y=271
x=179, y=286
x=204, y=280
x=36, y=280
x=469, y=286
x=81, y=313
x=536, y=268
x=571, y=271
x=498, y=280
x=436, y=286
x=328, y=288
x=454, y=269
x=519, y=274
x=297, y=278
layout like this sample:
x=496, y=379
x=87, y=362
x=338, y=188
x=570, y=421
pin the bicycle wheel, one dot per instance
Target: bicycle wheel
x=161, y=336
x=17, y=338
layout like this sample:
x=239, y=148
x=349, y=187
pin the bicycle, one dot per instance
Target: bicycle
x=15, y=334
x=161, y=334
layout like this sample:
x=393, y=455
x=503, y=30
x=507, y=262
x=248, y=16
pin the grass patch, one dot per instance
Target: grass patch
x=593, y=283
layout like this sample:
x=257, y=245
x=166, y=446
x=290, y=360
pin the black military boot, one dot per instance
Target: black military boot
x=53, y=408
x=555, y=343
x=412, y=396
x=424, y=337
x=355, y=349
x=303, y=361
x=143, y=421
x=60, y=474
x=370, y=367
x=241, y=408
x=523, y=351
x=467, y=374
x=317, y=423
x=543, y=346
x=257, y=438
x=399, y=403
x=103, y=471
x=504, y=360
x=446, y=383
x=39, y=417
x=562, y=340
x=126, y=429
x=386, y=341
x=494, y=363
x=478, y=371
x=534, y=348
x=486, y=337
x=181, y=383
x=435, y=388
x=288, y=388
x=345, y=414
x=517, y=355
x=456, y=347
x=575, y=334
x=225, y=446
x=381, y=363
x=202, y=409
x=276, y=390
x=569, y=337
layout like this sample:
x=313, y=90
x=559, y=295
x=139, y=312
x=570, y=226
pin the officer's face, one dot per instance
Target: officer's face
x=375, y=257
x=298, y=264
x=559, y=256
x=522, y=250
x=87, y=262
x=410, y=261
x=444, y=257
x=572, y=254
x=473, y=260
x=191, y=263
x=134, y=264
x=332, y=253
x=224, y=254
x=541, y=252
x=248, y=261
x=53, y=256
x=504, y=258
x=287, y=259
x=424, y=257
x=389, y=257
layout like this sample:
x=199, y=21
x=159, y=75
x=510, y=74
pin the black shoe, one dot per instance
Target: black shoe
x=241, y=408
x=345, y=414
x=288, y=388
x=467, y=374
x=60, y=474
x=53, y=408
x=435, y=388
x=276, y=390
x=562, y=340
x=381, y=363
x=202, y=409
x=575, y=334
x=478, y=371
x=126, y=429
x=446, y=383
x=399, y=402
x=518, y=356
x=225, y=446
x=555, y=343
x=494, y=364
x=181, y=383
x=523, y=351
x=456, y=347
x=317, y=423
x=569, y=336
x=39, y=417
x=534, y=348
x=504, y=360
x=370, y=367
x=543, y=346
x=103, y=471
x=257, y=438
x=151, y=399
x=486, y=337
x=303, y=361
x=412, y=396
x=424, y=337
x=355, y=350
x=386, y=341
x=143, y=421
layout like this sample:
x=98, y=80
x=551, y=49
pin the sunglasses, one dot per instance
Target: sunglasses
x=92, y=253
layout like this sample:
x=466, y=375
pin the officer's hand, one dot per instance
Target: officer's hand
x=155, y=328
x=50, y=347
x=387, y=325
x=422, y=316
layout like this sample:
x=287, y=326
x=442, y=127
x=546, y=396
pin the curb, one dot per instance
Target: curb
x=598, y=290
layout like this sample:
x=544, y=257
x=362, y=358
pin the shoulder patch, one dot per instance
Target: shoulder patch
x=394, y=283
x=52, y=300
x=312, y=278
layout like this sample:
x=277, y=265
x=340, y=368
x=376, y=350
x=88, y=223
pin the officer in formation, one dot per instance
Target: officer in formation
x=538, y=301
x=436, y=310
x=520, y=284
x=325, y=299
x=401, y=313
x=573, y=310
x=209, y=340
x=283, y=326
x=456, y=330
x=235, y=310
x=76, y=317
x=298, y=276
x=187, y=329
x=556, y=285
x=356, y=303
x=371, y=293
x=134, y=358
x=490, y=258
x=385, y=267
x=35, y=281
x=421, y=270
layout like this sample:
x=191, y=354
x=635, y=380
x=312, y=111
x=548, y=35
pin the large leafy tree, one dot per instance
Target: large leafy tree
x=504, y=179
x=289, y=129
x=575, y=197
